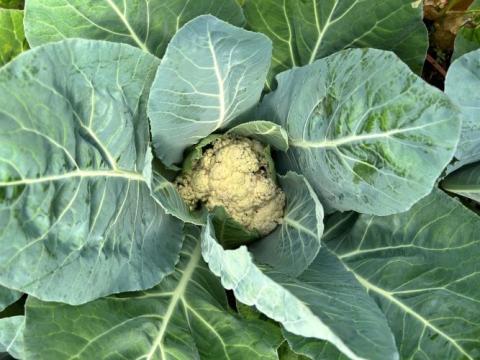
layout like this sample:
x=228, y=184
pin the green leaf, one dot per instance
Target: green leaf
x=285, y=353
x=264, y=131
x=468, y=37
x=422, y=268
x=186, y=317
x=294, y=244
x=11, y=4
x=250, y=313
x=12, y=37
x=313, y=349
x=461, y=85
x=325, y=302
x=212, y=72
x=148, y=25
x=195, y=153
x=304, y=31
x=465, y=182
x=11, y=336
x=8, y=297
x=367, y=133
x=339, y=222
x=77, y=219
x=168, y=197
x=230, y=233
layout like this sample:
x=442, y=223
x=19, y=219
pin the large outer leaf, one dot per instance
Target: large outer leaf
x=462, y=84
x=468, y=37
x=465, y=182
x=422, y=268
x=284, y=352
x=12, y=37
x=11, y=336
x=325, y=302
x=212, y=73
x=8, y=297
x=294, y=244
x=303, y=31
x=76, y=216
x=147, y=24
x=185, y=317
x=367, y=133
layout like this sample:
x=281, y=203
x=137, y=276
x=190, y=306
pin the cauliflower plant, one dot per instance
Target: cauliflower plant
x=235, y=173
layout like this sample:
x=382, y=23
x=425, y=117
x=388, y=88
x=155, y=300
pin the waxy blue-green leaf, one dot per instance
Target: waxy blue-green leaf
x=7, y=297
x=264, y=131
x=461, y=85
x=11, y=336
x=148, y=25
x=185, y=317
x=295, y=243
x=313, y=349
x=169, y=198
x=12, y=36
x=230, y=233
x=76, y=216
x=304, y=31
x=325, y=302
x=366, y=132
x=286, y=353
x=212, y=72
x=465, y=182
x=468, y=36
x=422, y=268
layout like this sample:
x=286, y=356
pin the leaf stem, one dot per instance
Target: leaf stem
x=436, y=65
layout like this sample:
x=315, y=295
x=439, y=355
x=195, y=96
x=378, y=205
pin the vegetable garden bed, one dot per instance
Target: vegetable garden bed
x=256, y=179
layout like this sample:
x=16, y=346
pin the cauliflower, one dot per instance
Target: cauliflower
x=234, y=173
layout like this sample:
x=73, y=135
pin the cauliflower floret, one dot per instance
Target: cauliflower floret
x=233, y=174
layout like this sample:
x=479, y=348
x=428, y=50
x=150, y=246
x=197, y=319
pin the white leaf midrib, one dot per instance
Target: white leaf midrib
x=389, y=297
x=18, y=333
x=124, y=20
x=320, y=327
x=357, y=138
x=220, y=81
x=300, y=227
x=177, y=296
x=321, y=31
x=77, y=174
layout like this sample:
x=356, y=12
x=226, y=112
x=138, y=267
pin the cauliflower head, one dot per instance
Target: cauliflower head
x=234, y=173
